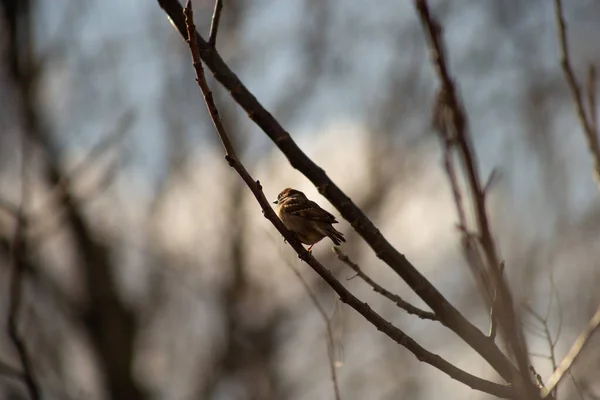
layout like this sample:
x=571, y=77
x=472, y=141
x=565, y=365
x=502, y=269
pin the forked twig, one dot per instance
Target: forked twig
x=401, y=303
x=586, y=122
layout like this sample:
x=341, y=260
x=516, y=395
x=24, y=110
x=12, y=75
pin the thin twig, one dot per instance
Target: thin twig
x=214, y=24
x=577, y=386
x=591, y=91
x=560, y=314
x=18, y=255
x=493, y=313
x=394, y=298
x=571, y=356
x=565, y=61
x=361, y=307
x=384, y=250
x=443, y=122
x=330, y=342
x=547, y=337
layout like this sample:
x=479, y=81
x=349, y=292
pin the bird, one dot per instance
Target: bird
x=306, y=219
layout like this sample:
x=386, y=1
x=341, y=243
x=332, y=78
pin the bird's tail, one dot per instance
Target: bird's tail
x=336, y=236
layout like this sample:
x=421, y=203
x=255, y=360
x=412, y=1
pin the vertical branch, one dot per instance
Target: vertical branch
x=591, y=91
x=443, y=124
x=214, y=24
x=457, y=120
x=19, y=265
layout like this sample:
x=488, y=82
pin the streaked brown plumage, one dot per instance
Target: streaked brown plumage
x=306, y=219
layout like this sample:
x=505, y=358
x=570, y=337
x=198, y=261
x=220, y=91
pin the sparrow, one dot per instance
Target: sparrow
x=309, y=222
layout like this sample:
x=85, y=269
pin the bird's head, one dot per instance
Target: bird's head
x=287, y=194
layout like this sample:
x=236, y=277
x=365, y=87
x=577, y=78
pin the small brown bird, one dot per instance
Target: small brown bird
x=309, y=222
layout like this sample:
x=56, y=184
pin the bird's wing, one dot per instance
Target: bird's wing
x=311, y=210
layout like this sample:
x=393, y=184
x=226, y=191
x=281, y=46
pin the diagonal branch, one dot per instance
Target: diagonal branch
x=571, y=356
x=394, y=298
x=362, y=308
x=447, y=313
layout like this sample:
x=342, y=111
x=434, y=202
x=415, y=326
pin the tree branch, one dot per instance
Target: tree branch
x=447, y=313
x=457, y=116
x=587, y=124
x=362, y=308
x=214, y=24
x=19, y=266
x=394, y=298
x=330, y=341
x=571, y=356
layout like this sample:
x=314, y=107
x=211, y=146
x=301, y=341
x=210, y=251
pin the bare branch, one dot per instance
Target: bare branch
x=547, y=336
x=577, y=385
x=362, y=308
x=443, y=122
x=406, y=306
x=214, y=24
x=330, y=341
x=449, y=315
x=588, y=126
x=449, y=100
x=591, y=92
x=571, y=356
x=493, y=316
x=19, y=265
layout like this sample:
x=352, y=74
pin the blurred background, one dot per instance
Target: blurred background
x=149, y=270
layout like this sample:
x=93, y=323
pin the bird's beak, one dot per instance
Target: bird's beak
x=275, y=202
